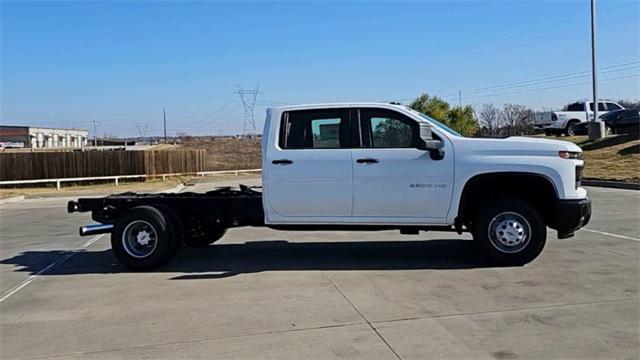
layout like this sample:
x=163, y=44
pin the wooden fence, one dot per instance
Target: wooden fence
x=52, y=165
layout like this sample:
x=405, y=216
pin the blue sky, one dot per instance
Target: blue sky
x=68, y=63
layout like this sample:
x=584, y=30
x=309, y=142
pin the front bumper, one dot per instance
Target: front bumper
x=571, y=215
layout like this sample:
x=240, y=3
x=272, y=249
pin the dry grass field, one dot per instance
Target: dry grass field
x=612, y=158
x=227, y=153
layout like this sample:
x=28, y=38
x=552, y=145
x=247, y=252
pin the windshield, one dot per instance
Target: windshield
x=438, y=124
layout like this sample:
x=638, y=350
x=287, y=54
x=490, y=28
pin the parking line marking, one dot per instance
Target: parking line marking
x=610, y=234
x=31, y=278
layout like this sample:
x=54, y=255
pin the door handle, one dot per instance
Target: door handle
x=367, y=161
x=282, y=162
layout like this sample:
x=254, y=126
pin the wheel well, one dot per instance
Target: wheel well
x=536, y=189
x=573, y=121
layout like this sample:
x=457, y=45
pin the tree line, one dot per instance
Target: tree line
x=490, y=120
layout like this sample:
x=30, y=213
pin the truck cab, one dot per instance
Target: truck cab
x=356, y=165
x=367, y=166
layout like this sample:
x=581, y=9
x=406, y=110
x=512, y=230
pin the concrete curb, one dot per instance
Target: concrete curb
x=611, y=184
x=12, y=199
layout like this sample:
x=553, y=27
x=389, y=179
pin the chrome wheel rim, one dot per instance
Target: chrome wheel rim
x=139, y=239
x=509, y=232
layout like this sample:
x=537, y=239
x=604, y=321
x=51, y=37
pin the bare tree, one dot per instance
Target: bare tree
x=517, y=120
x=490, y=120
x=630, y=104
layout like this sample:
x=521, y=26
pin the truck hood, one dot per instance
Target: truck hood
x=518, y=145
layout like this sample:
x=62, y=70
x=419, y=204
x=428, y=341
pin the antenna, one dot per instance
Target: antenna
x=248, y=98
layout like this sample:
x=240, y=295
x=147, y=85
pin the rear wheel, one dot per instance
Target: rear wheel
x=143, y=238
x=510, y=232
x=176, y=226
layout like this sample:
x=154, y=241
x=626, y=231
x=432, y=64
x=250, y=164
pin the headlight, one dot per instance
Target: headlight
x=570, y=154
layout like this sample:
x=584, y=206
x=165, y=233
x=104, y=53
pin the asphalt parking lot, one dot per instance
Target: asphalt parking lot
x=264, y=294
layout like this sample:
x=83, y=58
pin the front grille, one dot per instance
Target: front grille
x=578, y=175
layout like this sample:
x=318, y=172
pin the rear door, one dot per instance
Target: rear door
x=394, y=181
x=310, y=172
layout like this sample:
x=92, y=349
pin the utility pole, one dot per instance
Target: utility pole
x=596, y=127
x=95, y=134
x=164, y=117
x=460, y=98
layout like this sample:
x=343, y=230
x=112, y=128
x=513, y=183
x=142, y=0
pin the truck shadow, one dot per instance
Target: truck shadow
x=226, y=260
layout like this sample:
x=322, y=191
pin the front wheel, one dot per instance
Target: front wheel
x=510, y=232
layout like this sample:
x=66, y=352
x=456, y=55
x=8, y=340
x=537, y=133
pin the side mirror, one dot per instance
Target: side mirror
x=435, y=147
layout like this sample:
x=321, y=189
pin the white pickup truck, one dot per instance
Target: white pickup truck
x=564, y=122
x=366, y=166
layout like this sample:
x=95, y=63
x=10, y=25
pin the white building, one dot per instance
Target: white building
x=38, y=137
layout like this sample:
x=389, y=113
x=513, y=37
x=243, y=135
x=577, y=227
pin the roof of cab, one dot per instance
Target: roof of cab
x=337, y=105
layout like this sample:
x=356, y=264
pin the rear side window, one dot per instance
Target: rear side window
x=613, y=106
x=314, y=129
x=576, y=107
x=387, y=129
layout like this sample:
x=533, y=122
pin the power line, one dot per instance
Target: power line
x=623, y=67
x=533, y=82
x=550, y=87
x=211, y=122
x=206, y=119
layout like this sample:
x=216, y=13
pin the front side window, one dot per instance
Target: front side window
x=387, y=129
x=613, y=106
x=600, y=106
x=314, y=129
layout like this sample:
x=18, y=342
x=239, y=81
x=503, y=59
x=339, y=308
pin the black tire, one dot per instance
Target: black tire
x=175, y=223
x=548, y=132
x=212, y=235
x=570, y=130
x=524, y=248
x=608, y=130
x=158, y=235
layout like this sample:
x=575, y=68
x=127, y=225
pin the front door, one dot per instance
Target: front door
x=310, y=172
x=393, y=179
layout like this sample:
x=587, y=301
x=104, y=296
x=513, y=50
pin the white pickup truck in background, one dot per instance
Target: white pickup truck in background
x=366, y=166
x=564, y=122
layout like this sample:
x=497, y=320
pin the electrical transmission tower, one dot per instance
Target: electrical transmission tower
x=248, y=98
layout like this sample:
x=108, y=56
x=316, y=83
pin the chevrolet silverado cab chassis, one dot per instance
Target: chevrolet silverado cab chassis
x=366, y=166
